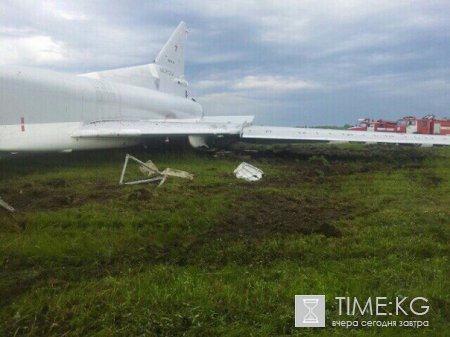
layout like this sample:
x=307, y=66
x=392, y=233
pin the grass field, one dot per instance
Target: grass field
x=220, y=256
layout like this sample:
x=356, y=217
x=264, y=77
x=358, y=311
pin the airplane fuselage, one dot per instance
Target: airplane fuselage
x=40, y=109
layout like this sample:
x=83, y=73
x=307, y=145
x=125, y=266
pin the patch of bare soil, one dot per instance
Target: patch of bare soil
x=373, y=152
x=18, y=283
x=54, y=194
x=275, y=214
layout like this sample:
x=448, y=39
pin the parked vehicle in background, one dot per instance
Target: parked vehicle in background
x=427, y=125
x=374, y=126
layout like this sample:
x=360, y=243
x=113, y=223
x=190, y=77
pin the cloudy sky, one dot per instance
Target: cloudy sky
x=304, y=62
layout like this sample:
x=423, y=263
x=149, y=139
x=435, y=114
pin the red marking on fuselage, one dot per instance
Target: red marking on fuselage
x=22, y=121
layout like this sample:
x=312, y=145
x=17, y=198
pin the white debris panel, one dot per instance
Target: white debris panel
x=248, y=172
x=6, y=206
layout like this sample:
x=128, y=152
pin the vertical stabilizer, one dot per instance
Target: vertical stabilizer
x=173, y=53
x=165, y=74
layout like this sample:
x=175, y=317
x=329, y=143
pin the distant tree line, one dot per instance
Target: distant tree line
x=334, y=127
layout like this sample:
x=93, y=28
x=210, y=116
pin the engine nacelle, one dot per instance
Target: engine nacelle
x=198, y=141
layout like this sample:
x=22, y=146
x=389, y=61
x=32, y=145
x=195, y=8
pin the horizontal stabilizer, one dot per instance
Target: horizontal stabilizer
x=145, y=76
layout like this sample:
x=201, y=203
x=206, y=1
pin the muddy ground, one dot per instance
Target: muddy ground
x=270, y=214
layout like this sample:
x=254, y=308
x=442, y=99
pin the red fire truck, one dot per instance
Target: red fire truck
x=426, y=125
x=375, y=126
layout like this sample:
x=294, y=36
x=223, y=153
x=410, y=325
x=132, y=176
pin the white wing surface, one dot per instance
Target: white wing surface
x=239, y=125
x=311, y=134
x=213, y=126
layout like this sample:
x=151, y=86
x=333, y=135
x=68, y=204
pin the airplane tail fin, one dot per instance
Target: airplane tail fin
x=165, y=74
x=173, y=53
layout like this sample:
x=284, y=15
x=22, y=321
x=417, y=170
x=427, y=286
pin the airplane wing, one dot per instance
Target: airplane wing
x=240, y=125
x=311, y=134
x=208, y=126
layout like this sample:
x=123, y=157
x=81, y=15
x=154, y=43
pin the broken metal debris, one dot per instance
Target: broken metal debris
x=151, y=171
x=167, y=172
x=248, y=172
x=6, y=206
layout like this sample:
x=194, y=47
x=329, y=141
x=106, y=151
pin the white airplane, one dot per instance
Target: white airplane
x=41, y=110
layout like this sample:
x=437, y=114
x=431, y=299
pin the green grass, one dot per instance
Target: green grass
x=220, y=256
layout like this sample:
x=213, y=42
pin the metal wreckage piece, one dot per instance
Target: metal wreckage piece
x=248, y=172
x=151, y=171
x=6, y=206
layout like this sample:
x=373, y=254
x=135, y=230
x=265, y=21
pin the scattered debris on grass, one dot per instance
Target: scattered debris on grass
x=248, y=172
x=151, y=171
x=6, y=206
